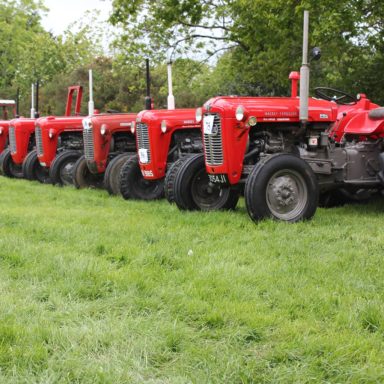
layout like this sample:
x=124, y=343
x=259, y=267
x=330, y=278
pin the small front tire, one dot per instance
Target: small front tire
x=134, y=186
x=61, y=168
x=83, y=178
x=8, y=167
x=112, y=173
x=32, y=170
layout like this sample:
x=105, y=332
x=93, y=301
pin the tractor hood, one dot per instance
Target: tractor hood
x=113, y=121
x=272, y=109
x=180, y=118
x=60, y=123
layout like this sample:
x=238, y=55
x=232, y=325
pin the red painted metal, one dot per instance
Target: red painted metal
x=78, y=90
x=4, y=126
x=177, y=119
x=24, y=129
x=114, y=123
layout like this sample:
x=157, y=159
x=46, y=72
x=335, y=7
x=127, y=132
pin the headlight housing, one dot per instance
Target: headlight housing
x=103, y=129
x=164, y=126
x=1, y=130
x=199, y=114
x=87, y=123
x=240, y=112
x=252, y=121
x=133, y=127
x=51, y=133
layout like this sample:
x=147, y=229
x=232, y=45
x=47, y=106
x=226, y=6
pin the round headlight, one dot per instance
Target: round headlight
x=103, y=129
x=51, y=133
x=199, y=114
x=239, y=113
x=1, y=130
x=163, y=126
x=252, y=121
x=133, y=127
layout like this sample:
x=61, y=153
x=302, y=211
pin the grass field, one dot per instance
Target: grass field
x=95, y=289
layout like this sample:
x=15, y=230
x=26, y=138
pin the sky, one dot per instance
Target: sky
x=64, y=12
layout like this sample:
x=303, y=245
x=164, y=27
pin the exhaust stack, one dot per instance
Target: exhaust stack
x=37, y=114
x=33, y=111
x=17, y=103
x=148, y=100
x=171, y=98
x=304, y=73
x=91, y=104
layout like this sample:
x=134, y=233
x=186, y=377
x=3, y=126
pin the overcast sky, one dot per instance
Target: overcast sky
x=64, y=12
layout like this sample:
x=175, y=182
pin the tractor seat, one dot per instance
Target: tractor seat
x=376, y=114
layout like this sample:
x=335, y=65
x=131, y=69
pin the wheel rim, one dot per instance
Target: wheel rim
x=42, y=173
x=286, y=194
x=66, y=172
x=206, y=194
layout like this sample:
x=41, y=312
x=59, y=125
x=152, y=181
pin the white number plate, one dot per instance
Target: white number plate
x=208, y=124
x=143, y=155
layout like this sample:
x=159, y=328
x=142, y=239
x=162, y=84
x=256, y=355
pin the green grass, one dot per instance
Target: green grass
x=95, y=289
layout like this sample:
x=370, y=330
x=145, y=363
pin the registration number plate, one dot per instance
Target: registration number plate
x=208, y=124
x=218, y=179
x=143, y=155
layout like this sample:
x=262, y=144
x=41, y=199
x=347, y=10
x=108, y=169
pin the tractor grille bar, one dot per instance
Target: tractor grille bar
x=39, y=142
x=213, y=146
x=88, y=144
x=142, y=138
x=12, y=139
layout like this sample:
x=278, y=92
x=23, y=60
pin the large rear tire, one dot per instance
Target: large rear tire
x=194, y=191
x=8, y=167
x=61, y=168
x=112, y=173
x=32, y=170
x=134, y=186
x=83, y=178
x=281, y=187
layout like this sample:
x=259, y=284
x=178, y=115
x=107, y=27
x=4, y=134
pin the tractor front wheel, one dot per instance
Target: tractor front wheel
x=194, y=191
x=83, y=178
x=134, y=186
x=8, y=167
x=281, y=187
x=61, y=168
x=112, y=173
x=32, y=170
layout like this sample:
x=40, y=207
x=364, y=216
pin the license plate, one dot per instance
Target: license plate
x=143, y=155
x=208, y=124
x=218, y=179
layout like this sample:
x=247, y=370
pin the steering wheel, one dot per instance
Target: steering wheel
x=339, y=97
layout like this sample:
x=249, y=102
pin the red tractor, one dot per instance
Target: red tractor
x=58, y=143
x=285, y=151
x=163, y=137
x=108, y=142
x=5, y=105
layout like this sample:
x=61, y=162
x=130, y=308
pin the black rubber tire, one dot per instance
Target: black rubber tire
x=169, y=183
x=32, y=170
x=134, y=186
x=193, y=191
x=112, y=173
x=58, y=165
x=83, y=177
x=261, y=176
x=8, y=167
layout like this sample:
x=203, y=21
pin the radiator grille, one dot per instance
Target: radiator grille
x=39, y=142
x=88, y=144
x=213, y=147
x=142, y=138
x=12, y=139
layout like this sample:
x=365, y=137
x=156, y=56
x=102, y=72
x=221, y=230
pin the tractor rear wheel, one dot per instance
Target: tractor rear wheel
x=32, y=170
x=169, y=183
x=194, y=191
x=112, y=173
x=134, y=186
x=8, y=167
x=61, y=168
x=83, y=178
x=281, y=187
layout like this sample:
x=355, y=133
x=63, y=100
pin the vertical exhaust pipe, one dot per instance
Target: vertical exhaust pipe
x=91, y=104
x=148, y=100
x=17, y=103
x=33, y=111
x=304, y=73
x=171, y=98
x=37, y=114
